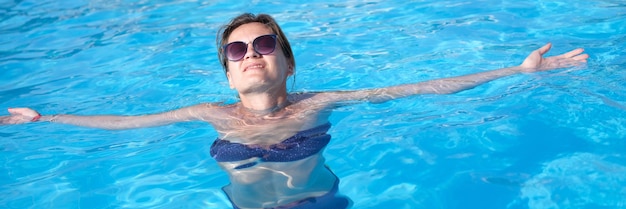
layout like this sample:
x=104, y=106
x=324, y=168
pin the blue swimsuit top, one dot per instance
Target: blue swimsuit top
x=301, y=145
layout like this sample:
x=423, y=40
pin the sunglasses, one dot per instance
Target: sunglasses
x=262, y=45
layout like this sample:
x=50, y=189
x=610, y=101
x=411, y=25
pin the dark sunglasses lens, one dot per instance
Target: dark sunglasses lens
x=236, y=50
x=265, y=44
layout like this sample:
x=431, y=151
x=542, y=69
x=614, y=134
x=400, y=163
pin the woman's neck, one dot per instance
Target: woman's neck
x=264, y=103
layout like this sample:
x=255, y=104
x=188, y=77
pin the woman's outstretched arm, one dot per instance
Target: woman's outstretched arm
x=26, y=115
x=533, y=63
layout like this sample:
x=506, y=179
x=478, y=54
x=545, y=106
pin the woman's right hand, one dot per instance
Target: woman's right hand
x=536, y=62
x=19, y=116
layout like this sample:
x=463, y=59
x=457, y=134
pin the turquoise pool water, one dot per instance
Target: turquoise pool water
x=546, y=140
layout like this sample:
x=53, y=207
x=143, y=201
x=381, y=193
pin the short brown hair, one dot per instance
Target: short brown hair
x=226, y=30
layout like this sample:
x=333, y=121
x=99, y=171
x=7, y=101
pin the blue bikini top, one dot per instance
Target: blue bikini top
x=301, y=145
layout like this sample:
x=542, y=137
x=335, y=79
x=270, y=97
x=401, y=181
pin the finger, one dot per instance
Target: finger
x=581, y=57
x=17, y=120
x=22, y=111
x=572, y=53
x=544, y=49
x=564, y=64
x=14, y=111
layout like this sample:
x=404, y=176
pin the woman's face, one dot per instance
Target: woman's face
x=256, y=72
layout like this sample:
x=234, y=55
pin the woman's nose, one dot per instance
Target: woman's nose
x=251, y=52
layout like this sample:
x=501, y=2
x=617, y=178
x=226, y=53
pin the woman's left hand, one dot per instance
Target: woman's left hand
x=536, y=62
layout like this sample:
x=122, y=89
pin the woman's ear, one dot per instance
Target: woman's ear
x=290, y=70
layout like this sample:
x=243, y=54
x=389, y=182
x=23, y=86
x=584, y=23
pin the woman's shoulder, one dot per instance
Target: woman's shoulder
x=222, y=105
x=324, y=97
x=299, y=96
x=211, y=107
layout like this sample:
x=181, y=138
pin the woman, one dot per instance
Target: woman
x=271, y=142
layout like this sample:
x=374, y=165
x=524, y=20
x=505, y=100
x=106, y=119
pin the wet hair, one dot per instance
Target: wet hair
x=226, y=30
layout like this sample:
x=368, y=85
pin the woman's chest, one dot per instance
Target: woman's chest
x=267, y=130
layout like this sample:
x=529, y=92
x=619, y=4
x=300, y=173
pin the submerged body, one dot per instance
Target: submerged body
x=274, y=158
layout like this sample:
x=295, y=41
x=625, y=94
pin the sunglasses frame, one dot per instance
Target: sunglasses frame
x=254, y=47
